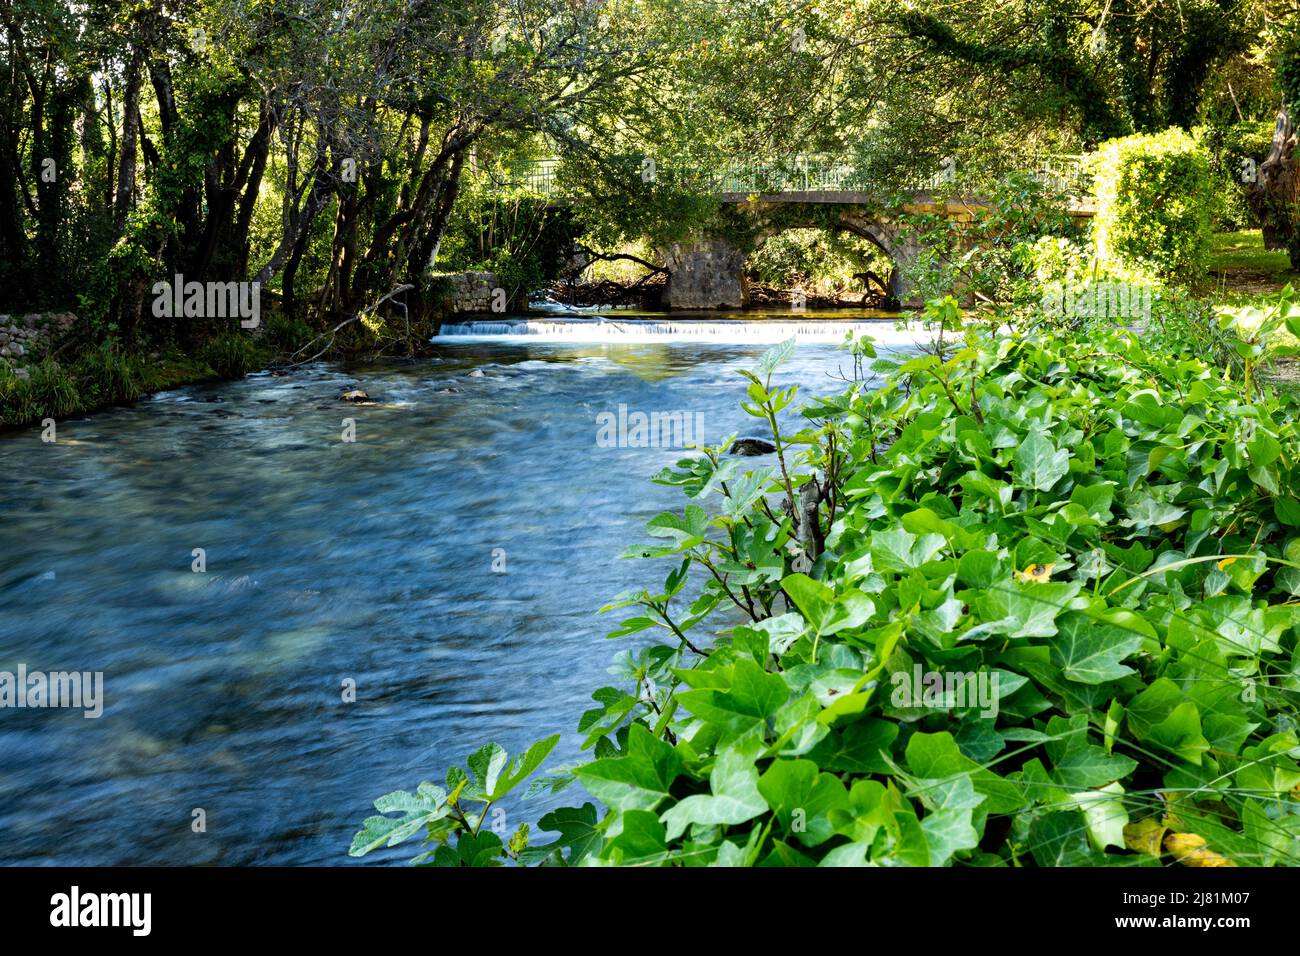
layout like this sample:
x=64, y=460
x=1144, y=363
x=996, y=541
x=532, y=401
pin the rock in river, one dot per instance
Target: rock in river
x=751, y=446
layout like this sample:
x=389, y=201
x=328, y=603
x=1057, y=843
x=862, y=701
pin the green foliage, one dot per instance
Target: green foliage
x=1059, y=259
x=52, y=389
x=987, y=256
x=820, y=260
x=1236, y=151
x=1288, y=68
x=285, y=334
x=438, y=813
x=108, y=375
x=1261, y=334
x=16, y=404
x=1154, y=197
x=1082, y=553
x=1056, y=55
x=233, y=354
x=618, y=204
x=523, y=238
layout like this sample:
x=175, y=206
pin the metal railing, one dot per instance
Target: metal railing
x=801, y=174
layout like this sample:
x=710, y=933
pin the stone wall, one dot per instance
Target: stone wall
x=25, y=339
x=468, y=291
x=705, y=275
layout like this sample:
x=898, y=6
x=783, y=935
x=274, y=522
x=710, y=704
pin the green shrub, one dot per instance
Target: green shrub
x=16, y=403
x=1084, y=556
x=1288, y=69
x=1232, y=151
x=233, y=354
x=1058, y=259
x=105, y=376
x=108, y=376
x=986, y=257
x=1154, y=198
x=284, y=334
x=817, y=259
x=53, y=390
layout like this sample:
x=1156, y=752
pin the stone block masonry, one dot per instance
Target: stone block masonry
x=25, y=339
x=468, y=291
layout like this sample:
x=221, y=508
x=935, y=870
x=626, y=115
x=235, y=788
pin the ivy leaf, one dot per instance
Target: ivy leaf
x=642, y=838
x=1039, y=463
x=1089, y=652
x=937, y=755
x=753, y=696
x=947, y=832
x=734, y=795
x=1180, y=733
x=858, y=748
x=1021, y=610
x=578, y=834
x=899, y=550
x=1091, y=766
x=803, y=799
x=1061, y=839
x=638, y=780
x=826, y=611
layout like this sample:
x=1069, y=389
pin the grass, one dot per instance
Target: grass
x=1244, y=273
x=1245, y=250
x=109, y=375
x=100, y=378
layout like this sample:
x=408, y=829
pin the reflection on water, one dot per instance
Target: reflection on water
x=326, y=561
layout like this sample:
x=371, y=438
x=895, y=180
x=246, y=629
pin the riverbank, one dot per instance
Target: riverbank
x=66, y=380
x=1241, y=274
x=108, y=376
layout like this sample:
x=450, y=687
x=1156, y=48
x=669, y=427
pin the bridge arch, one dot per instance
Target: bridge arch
x=710, y=274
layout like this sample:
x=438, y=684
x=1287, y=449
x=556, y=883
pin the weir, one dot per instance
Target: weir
x=599, y=329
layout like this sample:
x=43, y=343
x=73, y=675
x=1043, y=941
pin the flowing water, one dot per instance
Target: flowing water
x=448, y=561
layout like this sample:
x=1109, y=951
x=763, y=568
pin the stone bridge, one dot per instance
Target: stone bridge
x=710, y=274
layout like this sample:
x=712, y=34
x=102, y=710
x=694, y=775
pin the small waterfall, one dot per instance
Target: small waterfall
x=580, y=329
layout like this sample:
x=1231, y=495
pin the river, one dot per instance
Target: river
x=448, y=561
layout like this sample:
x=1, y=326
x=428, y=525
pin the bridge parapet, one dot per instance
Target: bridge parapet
x=808, y=177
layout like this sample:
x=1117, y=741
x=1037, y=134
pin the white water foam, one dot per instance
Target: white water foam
x=600, y=329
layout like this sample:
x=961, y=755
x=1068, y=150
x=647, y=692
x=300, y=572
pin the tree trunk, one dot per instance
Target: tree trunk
x=1274, y=197
x=126, y=160
x=426, y=258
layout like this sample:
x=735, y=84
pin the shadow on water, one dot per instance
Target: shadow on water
x=326, y=561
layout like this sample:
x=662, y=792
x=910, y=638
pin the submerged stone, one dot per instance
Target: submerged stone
x=751, y=447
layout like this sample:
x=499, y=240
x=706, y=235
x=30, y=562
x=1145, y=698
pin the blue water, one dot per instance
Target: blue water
x=326, y=561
